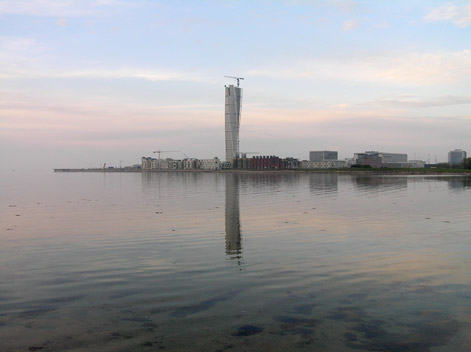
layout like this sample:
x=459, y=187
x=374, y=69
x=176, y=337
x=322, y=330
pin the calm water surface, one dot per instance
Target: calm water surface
x=234, y=262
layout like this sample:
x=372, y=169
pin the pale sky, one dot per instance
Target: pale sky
x=84, y=82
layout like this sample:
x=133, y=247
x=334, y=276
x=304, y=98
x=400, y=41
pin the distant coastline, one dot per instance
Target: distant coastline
x=431, y=171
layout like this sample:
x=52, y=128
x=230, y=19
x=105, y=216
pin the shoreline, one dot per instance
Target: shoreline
x=400, y=172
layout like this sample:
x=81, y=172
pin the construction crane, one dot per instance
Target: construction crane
x=236, y=78
x=165, y=151
x=244, y=154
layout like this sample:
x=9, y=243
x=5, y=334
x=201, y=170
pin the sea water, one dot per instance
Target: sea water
x=194, y=261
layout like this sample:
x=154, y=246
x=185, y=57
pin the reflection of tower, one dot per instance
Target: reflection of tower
x=232, y=118
x=233, y=234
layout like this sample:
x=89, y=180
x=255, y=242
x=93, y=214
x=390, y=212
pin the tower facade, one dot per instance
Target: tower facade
x=232, y=121
x=456, y=156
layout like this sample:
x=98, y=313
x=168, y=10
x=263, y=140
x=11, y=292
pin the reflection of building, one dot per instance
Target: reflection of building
x=323, y=182
x=456, y=156
x=232, y=118
x=369, y=182
x=233, y=233
x=458, y=183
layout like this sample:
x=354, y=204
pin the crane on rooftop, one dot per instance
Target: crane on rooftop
x=165, y=151
x=244, y=154
x=236, y=78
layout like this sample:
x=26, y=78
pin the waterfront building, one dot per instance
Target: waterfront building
x=419, y=164
x=380, y=159
x=326, y=164
x=323, y=155
x=456, y=156
x=266, y=162
x=393, y=157
x=189, y=164
x=368, y=158
x=291, y=163
x=411, y=164
x=211, y=164
x=161, y=164
x=146, y=163
x=232, y=121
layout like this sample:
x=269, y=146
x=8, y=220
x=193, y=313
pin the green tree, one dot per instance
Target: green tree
x=467, y=163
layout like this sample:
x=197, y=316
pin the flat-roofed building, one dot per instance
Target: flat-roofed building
x=368, y=158
x=393, y=157
x=210, y=164
x=326, y=164
x=322, y=155
x=381, y=159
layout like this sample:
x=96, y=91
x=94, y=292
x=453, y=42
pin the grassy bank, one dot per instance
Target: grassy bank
x=398, y=171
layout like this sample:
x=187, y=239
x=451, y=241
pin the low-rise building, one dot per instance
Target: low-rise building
x=411, y=164
x=380, y=159
x=190, y=164
x=148, y=163
x=291, y=163
x=326, y=164
x=368, y=158
x=393, y=157
x=266, y=162
x=211, y=164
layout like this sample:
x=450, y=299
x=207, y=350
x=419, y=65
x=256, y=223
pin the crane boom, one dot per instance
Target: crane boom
x=244, y=154
x=236, y=78
x=165, y=151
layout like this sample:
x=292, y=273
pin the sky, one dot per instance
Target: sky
x=84, y=82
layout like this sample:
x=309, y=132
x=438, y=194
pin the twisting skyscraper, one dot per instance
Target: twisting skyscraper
x=233, y=108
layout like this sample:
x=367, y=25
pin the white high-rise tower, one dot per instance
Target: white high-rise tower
x=233, y=108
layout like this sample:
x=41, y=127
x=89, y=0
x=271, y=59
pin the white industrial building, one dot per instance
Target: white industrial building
x=326, y=164
x=168, y=164
x=191, y=163
x=211, y=164
x=232, y=120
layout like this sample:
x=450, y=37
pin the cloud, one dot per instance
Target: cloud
x=413, y=101
x=23, y=57
x=398, y=68
x=460, y=16
x=381, y=25
x=16, y=51
x=102, y=73
x=344, y=6
x=51, y=121
x=350, y=25
x=62, y=22
x=60, y=8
